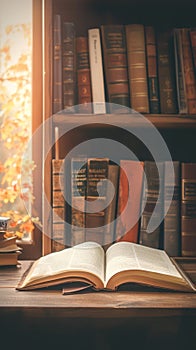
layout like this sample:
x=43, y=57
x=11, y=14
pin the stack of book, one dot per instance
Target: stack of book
x=9, y=250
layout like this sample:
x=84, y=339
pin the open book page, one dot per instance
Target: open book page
x=86, y=257
x=130, y=256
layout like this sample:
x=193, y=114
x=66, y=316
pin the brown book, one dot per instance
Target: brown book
x=97, y=173
x=180, y=75
x=152, y=72
x=78, y=196
x=171, y=225
x=87, y=265
x=115, y=66
x=69, y=64
x=189, y=73
x=193, y=47
x=166, y=72
x=9, y=258
x=58, y=205
x=83, y=75
x=129, y=199
x=110, y=211
x=136, y=54
x=188, y=209
x=57, y=65
x=151, y=199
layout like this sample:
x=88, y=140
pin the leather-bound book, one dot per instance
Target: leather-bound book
x=152, y=72
x=193, y=47
x=150, y=197
x=78, y=190
x=129, y=200
x=110, y=211
x=58, y=205
x=172, y=235
x=137, y=73
x=189, y=71
x=115, y=65
x=57, y=101
x=83, y=75
x=69, y=65
x=97, y=173
x=166, y=72
x=188, y=209
x=180, y=74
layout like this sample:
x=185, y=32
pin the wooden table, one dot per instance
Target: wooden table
x=96, y=320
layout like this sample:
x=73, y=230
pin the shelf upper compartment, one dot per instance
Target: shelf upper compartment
x=160, y=121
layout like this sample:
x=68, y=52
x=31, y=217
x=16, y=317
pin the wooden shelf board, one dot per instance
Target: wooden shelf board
x=159, y=120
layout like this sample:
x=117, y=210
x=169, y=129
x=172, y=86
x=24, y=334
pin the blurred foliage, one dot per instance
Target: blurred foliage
x=16, y=167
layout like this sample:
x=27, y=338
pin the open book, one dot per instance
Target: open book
x=123, y=262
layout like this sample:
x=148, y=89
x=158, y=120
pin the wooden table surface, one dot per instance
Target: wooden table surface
x=116, y=312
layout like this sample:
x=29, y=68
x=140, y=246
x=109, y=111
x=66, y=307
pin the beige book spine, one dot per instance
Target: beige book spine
x=96, y=68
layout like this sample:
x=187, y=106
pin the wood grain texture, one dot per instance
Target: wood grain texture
x=108, y=320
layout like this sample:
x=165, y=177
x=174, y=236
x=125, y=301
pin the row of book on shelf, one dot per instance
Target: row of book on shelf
x=132, y=65
x=120, y=209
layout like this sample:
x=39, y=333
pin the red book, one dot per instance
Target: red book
x=129, y=200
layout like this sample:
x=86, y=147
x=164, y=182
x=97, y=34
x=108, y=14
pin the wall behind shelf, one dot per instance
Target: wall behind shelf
x=88, y=13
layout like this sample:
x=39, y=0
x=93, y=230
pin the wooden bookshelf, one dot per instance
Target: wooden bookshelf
x=178, y=131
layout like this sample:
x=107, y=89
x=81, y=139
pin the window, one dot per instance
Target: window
x=16, y=166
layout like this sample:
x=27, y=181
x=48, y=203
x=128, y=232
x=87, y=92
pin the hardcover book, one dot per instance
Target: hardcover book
x=189, y=71
x=83, y=75
x=193, y=47
x=166, y=69
x=180, y=74
x=78, y=188
x=150, y=197
x=188, y=209
x=58, y=205
x=136, y=54
x=115, y=65
x=152, y=73
x=69, y=65
x=110, y=211
x=97, y=173
x=57, y=66
x=88, y=265
x=96, y=68
x=172, y=235
x=129, y=199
